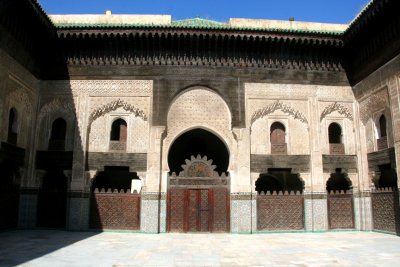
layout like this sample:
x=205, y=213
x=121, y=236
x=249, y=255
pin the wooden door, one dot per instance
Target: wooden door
x=198, y=210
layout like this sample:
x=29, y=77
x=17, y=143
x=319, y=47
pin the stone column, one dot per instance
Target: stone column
x=153, y=203
x=30, y=177
x=78, y=208
x=28, y=201
x=241, y=195
x=361, y=190
x=315, y=197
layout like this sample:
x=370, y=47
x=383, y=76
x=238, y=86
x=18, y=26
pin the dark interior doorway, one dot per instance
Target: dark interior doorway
x=9, y=195
x=198, y=142
x=52, y=200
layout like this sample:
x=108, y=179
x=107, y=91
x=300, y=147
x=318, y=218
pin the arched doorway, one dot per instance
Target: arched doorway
x=112, y=205
x=52, y=200
x=280, y=200
x=198, y=185
x=340, y=201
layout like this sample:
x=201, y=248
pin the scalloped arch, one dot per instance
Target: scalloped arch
x=277, y=105
x=119, y=103
x=336, y=107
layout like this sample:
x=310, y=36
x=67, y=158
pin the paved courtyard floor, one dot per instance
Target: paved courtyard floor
x=61, y=248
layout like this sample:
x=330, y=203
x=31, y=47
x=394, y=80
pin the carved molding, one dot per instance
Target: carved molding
x=336, y=107
x=277, y=105
x=119, y=103
x=100, y=87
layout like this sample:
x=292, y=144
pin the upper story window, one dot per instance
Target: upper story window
x=278, y=138
x=12, y=127
x=335, y=139
x=57, y=136
x=382, y=134
x=118, y=135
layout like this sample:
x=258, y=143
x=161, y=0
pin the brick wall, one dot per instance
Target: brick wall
x=117, y=211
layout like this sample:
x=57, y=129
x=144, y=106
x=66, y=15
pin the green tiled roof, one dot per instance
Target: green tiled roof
x=199, y=23
x=196, y=23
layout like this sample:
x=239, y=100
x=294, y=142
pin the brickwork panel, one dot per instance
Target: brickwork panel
x=176, y=209
x=385, y=211
x=340, y=211
x=221, y=220
x=115, y=211
x=280, y=212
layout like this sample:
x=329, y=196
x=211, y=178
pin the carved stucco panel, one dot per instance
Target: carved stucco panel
x=374, y=103
x=259, y=108
x=20, y=99
x=336, y=109
x=114, y=88
x=106, y=110
x=199, y=107
x=52, y=108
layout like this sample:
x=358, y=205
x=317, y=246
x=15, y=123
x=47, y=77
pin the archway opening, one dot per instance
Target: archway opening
x=114, y=177
x=57, y=137
x=388, y=177
x=198, y=142
x=338, y=181
x=279, y=180
x=12, y=126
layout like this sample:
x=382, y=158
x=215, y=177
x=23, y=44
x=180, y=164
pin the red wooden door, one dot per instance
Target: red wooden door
x=198, y=210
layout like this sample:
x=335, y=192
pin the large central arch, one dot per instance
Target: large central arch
x=195, y=142
x=198, y=184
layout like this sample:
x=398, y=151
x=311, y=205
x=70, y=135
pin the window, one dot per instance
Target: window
x=335, y=139
x=118, y=135
x=57, y=137
x=382, y=134
x=12, y=126
x=382, y=126
x=277, y=137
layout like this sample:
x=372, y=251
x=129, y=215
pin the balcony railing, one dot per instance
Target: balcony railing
x=278, y=148
x=117, y=146
x=336, y=149
x=382, y=143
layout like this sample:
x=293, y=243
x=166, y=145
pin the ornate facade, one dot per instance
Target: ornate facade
x=142, y=123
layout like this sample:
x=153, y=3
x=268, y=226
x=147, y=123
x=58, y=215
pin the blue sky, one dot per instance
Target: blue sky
x=328, y=11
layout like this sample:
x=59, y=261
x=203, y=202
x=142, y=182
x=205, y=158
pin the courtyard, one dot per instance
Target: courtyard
x=62, y=248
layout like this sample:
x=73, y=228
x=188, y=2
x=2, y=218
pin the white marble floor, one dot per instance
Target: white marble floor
x=61, y=248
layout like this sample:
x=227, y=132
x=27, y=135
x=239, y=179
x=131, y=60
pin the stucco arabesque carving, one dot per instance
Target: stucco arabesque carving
x=19, y=96
x=57, y=104
x=100, y=87
x=277, y=105
x=336, y=107
x=119, y=103
x=372, y=104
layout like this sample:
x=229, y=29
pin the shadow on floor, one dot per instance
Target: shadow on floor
x=20, y=246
